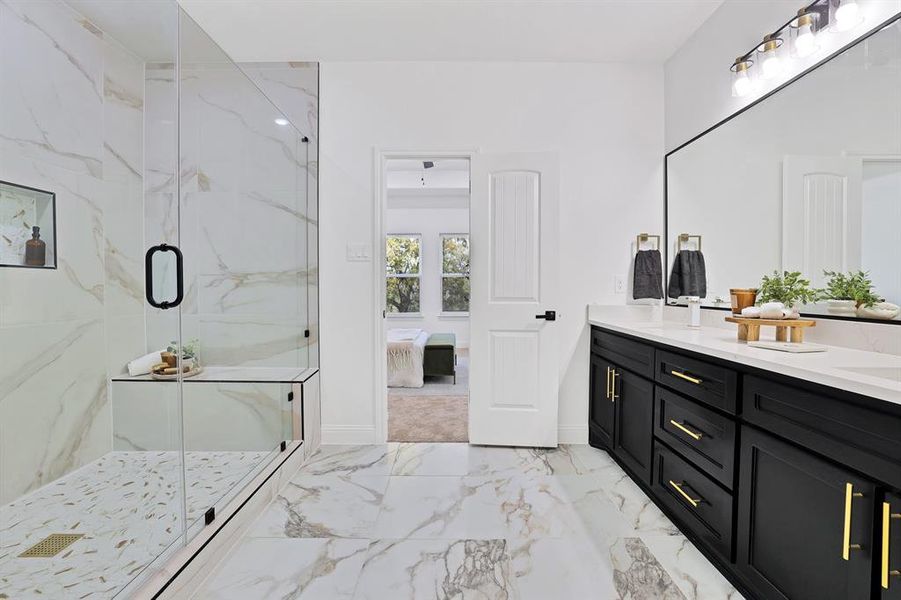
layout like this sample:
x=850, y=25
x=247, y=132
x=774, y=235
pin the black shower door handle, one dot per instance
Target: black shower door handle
x=179, y=276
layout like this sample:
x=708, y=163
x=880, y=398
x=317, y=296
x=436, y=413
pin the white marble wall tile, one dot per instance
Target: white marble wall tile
x=123, y=225
x=160, y=129
x=294, y=88
x=54, y=407
x=289, y=568
x=123, y=114
x=52, y=113
x=242, y=340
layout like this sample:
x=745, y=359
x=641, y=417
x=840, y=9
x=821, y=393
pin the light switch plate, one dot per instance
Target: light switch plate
x=619, y=284
x=358, y=253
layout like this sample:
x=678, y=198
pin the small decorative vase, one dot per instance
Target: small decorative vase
x=842, y=307
x=772, y=310
x=880, y=310
x=742, y=298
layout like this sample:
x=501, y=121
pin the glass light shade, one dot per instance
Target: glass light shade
x=742, y=77
x=803, y=34
x=844, y=15
x=770, y=59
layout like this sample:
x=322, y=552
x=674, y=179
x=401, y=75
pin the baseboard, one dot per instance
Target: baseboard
x=348, y=434
x=572, y=434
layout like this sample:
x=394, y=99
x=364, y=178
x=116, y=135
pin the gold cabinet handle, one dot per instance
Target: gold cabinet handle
x=613, y=386
x=692, y=434
x=608, y=383
x=887, y=517
x=693, y=380
x=678, y=487
x=847, y=546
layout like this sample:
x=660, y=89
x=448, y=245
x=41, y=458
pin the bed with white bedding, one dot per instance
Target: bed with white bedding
x=406, y=348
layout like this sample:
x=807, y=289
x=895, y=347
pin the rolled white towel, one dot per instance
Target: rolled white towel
x=142, y=366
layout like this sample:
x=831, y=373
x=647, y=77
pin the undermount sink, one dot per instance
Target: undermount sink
x=891, y=373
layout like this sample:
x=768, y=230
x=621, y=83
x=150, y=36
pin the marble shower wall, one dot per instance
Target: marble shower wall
x=245, y=213
x=71, y=117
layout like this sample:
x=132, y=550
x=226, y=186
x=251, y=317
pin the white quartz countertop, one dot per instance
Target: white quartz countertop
x=868, y=373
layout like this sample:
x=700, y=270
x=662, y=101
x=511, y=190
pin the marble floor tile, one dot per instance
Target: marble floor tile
x=352, y=460
x=638, y=575
x=689, y=569
x=439, y=569
x=544, y=568
x=445, y=459
x=491, y=460
x=324, y=506
x=311, y=569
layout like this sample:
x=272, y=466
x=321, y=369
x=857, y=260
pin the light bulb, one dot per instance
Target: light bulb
x=742, y=84
x=771, y=66
x=806, y=42
x=281, y=121
x=847, y=15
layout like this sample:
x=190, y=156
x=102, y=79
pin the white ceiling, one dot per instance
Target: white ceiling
x=451, y=30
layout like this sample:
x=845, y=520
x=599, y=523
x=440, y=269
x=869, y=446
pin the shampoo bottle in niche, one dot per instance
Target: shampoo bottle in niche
x=35, y=249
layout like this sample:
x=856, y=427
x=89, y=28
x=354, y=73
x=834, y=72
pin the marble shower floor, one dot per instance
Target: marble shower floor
x=127, y=504
x=452, y=521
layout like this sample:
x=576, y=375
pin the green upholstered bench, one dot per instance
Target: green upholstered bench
x=440, y=356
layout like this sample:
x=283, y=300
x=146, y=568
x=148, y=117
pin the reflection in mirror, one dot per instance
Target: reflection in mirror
x=807, y=180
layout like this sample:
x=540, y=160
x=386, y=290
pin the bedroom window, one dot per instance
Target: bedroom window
x=403, y=259
x=455, y=273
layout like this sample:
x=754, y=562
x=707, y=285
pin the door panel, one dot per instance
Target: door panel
x=633, y=441
x=889, y=567
x=793, y=510
x=514, y=364
x=601, y=409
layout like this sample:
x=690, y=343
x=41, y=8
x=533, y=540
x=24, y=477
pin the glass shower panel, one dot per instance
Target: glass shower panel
x=242, y=205
x=90, y=455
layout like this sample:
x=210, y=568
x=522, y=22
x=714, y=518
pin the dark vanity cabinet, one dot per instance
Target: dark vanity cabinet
x=792, y=490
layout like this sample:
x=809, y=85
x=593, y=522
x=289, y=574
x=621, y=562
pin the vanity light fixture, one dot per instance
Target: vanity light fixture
x=769, y=56
x=803, y=33
x=844, y=14
x=742, y=83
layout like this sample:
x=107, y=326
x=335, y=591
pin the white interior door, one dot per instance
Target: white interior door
x=821, y=208
x=513, y=354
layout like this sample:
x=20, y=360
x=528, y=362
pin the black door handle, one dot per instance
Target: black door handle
x=179, y=276
x=549, y=315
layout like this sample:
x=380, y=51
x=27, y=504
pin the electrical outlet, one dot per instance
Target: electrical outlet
x=619, y=284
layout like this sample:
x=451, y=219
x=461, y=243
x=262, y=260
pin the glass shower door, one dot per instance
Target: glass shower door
x=242, y=224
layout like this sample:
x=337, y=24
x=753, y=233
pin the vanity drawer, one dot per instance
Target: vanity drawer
x=862, y=433
x=702, y=506
x=709, y=383
x=704, y=437
x=629, y=354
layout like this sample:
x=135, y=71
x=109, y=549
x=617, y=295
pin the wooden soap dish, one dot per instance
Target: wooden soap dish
x=749, y=329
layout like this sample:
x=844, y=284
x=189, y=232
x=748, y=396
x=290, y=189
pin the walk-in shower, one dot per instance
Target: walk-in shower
x=124, y=127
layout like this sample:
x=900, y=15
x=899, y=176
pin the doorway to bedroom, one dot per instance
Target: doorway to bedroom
x=426, y=255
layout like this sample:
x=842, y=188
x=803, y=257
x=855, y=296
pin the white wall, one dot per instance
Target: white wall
x=698, y=80
x=430, y=223
x=606, y=122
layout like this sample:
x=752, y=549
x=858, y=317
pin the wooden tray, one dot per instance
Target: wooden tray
x=749, y=329
x=191, y=373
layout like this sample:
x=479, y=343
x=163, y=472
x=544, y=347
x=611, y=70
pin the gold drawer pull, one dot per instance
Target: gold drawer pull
x=692, y=434
x=608, y=383
x=694, y=380
x=678, y=487
x=613, y=386
x=887, y=517
x=847, y=546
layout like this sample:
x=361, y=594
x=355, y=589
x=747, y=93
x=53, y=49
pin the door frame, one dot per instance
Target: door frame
x=379, y=231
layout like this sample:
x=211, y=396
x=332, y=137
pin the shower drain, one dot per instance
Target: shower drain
x=52, y=545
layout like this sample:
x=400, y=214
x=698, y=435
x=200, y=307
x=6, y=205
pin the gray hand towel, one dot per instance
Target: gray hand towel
x=689, y=275
x=648, y=274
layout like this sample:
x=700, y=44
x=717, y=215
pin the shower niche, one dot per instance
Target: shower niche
x=27, y=227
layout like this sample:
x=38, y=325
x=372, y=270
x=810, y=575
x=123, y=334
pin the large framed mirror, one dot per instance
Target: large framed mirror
x=808, y=179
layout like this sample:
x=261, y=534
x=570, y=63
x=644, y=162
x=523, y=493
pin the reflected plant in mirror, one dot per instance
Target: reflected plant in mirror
x=781, y=296
x=846, y=292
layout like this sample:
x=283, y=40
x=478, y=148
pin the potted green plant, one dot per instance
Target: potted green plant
x=189, y=352
x=846, y=292
x=780, y=296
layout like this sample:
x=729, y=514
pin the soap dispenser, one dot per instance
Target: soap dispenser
x=35, y=249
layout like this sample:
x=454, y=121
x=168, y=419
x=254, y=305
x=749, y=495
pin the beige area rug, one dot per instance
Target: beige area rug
x=428, y=418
